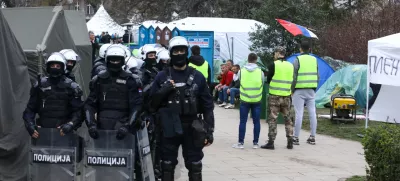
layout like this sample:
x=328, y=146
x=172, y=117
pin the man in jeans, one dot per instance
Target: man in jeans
x=251, y=86
x=233, y=89
x=227, y=77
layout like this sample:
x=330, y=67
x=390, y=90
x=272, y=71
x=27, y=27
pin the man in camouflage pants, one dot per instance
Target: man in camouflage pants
x=280, y=79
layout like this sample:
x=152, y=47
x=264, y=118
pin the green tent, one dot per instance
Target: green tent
x=350, y=80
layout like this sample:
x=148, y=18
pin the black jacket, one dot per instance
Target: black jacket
x=95, y=48
x=199, y=60
x=125, y=38
x=235, y=84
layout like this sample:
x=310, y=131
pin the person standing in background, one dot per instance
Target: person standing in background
x=280, y=79
x=307, y=77
x=199, y=63
x=95, y=45
x=251, y=86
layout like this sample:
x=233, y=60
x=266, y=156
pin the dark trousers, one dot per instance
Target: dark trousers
x=212, y=87
x=191, y=153
x=255, y=109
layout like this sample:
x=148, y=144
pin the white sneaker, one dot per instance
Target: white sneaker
x=255, y=146
x=222, y=105
x=229, y=106
x=238, y=146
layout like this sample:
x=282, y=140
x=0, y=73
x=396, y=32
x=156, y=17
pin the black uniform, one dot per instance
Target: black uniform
x=178, y=109
x=57, y=101
x=98, y=66
x=125, y=38
x=116, y=98
x=147, y=74
x=70, y=75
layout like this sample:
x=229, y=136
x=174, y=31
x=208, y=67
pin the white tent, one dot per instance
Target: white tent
x=102, y=22
x=383, y=63
x=231, y=36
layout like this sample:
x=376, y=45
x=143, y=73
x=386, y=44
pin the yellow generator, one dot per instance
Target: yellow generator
x=344, y=107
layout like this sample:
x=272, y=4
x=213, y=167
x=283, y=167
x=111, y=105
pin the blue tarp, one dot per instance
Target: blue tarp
x=324, y=69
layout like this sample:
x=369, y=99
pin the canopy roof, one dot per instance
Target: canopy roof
x=102, y=22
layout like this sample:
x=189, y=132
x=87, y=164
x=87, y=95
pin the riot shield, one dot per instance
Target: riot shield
x=53, y=157
x=145, y=155
x=109, y=159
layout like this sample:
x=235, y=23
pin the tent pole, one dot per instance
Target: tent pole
x=233, y=50
x=56, y=11
x=367, y=106
x=227, y=42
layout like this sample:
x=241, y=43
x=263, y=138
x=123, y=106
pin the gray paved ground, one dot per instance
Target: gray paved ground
x=329, y=160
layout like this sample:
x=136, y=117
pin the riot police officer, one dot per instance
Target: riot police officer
x=72, y=60
x=147, y=73
x=149, y=69
x=180, y=93
x=163, y=59
x=56, y=99
x=99, y=63
x=115, y=95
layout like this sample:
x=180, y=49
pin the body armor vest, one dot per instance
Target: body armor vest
x=147, y=76
x=54, y=108
x=184, y=99
x=113, y=100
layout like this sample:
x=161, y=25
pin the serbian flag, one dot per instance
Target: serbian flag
x=296, y=29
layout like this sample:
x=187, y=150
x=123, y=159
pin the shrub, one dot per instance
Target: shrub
x=382, y=152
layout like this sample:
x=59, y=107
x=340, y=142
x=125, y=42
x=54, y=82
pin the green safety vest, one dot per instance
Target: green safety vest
x=307, y=76
x=251, y=85
x=202, y=68
x=282, y=80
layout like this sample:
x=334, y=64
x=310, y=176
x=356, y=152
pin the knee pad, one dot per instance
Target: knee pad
x=197, y=166
x=194, y=166
x=168, y=166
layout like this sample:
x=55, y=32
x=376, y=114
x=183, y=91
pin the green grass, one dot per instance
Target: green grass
x=342, y=130
x=357, y=178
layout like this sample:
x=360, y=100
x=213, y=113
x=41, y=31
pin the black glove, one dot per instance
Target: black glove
x=122, y=132
x=210, y=137
x=166, y=88
x=93, y=132
x=30, y=127
x=67, y=128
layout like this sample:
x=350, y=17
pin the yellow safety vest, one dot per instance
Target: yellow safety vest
x=307, y=76
x=202, y=68
x=251, y=85
x=282, y=80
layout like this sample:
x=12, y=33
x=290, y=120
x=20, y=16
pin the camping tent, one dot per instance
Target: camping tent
x=324, y=70
x=231, y=36
x=14, y=95
x=350, y=80
x=102, y=22
x=48, y=30
x=383, y=66
x=79, y=32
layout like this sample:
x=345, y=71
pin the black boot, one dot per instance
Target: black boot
x=269, y=145
x=289, y=143
x=195, y=171
x=168, y=170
